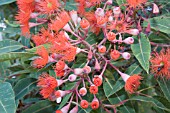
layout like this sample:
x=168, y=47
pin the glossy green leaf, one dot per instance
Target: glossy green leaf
x=4, y=68
x=159, y=38
x=70, y=5
x=7, y=98
x=151, y=100
x=142, y=49
x=24, y=86
x=133, y=69
x=126, y=109
x=3, y=2
x=110, y=87
x=33, y=50
x=65, y=100
x=8, y=45
x=120, y=2
x=43, y=106
x=165, y=87
x=14, y=55
x=160, y=23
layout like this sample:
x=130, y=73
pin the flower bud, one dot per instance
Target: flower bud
x=58, y=100
x=114, y=54
x=132, y=31
x=60, y=93
x=95, y=104
x=93, y=89
x=126, y=55
x=97, y=65
x=74, y=17
x=99, y=12
x=74, y=110
x=78, y=20
x=102, y=49
x=60, y=82
x=97, y=80
x=84, y=24
x=101, y=21
x=87, y=69
x=111, y=36
x=90, y=55
x=116, y=11
x=128, y=40
x=84, y=104
x=155, y=9
x=78, y=71
x=65, y=108
x=110, y=19
x=109, y=2
x=67, y=28
x=72, y=77
x=83, y=91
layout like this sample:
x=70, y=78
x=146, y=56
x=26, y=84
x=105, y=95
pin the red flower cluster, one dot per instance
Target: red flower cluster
x=160, y=63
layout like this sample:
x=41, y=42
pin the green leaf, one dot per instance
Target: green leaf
x=151, y=100
x=91, y=39
x=165, y=87
x=120, y=2
x=111, y=88
x=9, y=45
x=43, y=106
x=65, y=100
x=7, y=98
x=133, y=69
x=14, y=55
x=126, y=109
x=25, y=41
x=4, y=68
x=70, y=5
x=142, y=50
x=33, y=50
x=24, y=86
x=159, y=38
x=160, y=23
x=3, y=2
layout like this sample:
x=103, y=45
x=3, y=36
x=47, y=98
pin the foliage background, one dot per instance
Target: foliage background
x=18, y=91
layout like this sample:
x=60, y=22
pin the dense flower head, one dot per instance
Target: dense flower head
x=134, y=3
x=48, y=6
x=42, y=60
x=61, y=20
x=160, y=63
x=47, y=84
x=132, y=83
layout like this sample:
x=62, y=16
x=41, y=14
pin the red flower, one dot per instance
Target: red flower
x=43, y=60
x=48, y=6
x=84, y=104
x=160, y=64
x=93, y=89
x=60, y=65
x=132, y=83
x=58, y=111
x=114, y=54
x=134, y=3
x=62, y=19
x=47, y=84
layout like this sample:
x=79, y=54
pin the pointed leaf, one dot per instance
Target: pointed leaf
x=160, y=23
x=151, y=100
x=7, y=98
x=14, y=55
x=3, y=2
x=133, y=69
x=43, y=106
x=9, y=45
x=165, y=87
x=142, y=49
x=24, y=86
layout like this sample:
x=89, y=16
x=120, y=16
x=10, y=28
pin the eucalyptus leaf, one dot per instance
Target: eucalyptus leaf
x=7, y=98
